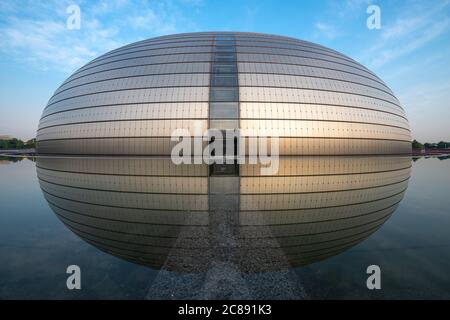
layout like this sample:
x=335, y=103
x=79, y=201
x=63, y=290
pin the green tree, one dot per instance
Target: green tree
x=443, y=145
x=30, y=144
x=417, y=145
x=17, y=144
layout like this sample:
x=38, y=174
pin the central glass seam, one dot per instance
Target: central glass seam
x=224, y=98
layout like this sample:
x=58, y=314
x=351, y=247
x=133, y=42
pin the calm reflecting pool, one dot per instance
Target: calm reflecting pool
x=146, y=228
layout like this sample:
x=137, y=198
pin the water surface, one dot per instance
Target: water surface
x=142, y=229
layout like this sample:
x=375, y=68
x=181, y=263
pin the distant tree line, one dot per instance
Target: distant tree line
x=15, y=143
x=427, y=145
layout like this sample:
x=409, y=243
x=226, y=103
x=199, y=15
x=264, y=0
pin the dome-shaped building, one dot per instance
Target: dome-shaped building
x=130, y=100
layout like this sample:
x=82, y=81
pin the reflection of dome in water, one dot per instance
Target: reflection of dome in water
x=130, y=100
x=151, y=212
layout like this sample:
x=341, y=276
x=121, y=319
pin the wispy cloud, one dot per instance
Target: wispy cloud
x=420, y=39
x=159, y=20
x=409, y=32
x=327, y=30
x=402, y=27
x=48, y=44
x=35, y=32
x=348, y=8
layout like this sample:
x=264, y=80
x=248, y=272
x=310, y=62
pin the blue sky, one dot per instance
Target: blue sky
x=411, y=51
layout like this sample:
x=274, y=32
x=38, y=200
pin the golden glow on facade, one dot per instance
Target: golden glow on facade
x=130, y=100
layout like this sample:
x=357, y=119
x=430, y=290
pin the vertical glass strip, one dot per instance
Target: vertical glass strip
x=224, y=97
